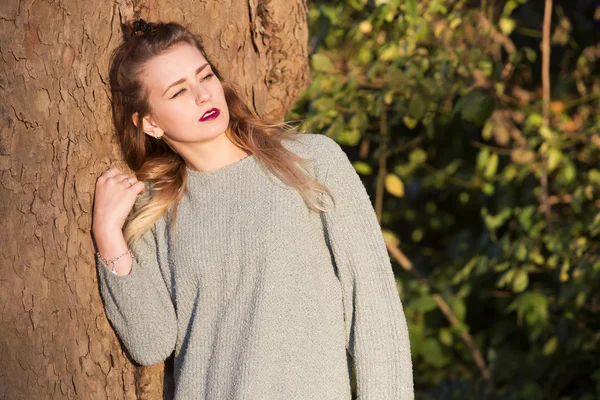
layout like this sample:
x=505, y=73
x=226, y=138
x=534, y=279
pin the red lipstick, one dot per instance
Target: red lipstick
x=210, y=114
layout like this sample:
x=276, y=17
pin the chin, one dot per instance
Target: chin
x=216, y=131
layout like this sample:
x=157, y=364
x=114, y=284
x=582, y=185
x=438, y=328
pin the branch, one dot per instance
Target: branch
x=382, y=170
x=504, y=40
x=546, y=106
x=405, y=263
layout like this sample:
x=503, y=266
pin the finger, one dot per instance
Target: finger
x=109, y=173
x=133, y=179
x=119, y=177
x=112, y=172
x=138, y=187
x=124, y=177
x=129, y=181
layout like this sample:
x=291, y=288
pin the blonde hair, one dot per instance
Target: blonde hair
x=155, y=163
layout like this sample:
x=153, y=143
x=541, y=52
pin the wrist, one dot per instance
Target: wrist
x=112, y=263
x=106, y=230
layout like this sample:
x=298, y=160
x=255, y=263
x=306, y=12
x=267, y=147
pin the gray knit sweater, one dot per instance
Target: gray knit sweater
x=260, y=297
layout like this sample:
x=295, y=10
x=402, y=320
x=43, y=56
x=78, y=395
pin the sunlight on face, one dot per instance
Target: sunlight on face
x=182, y=90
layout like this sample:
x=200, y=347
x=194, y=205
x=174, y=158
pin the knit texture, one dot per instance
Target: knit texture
x=262, y=298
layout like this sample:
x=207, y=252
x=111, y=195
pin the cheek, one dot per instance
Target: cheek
x=218, y=92
x=178, y=110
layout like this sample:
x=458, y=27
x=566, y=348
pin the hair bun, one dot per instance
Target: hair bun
x=141, y=27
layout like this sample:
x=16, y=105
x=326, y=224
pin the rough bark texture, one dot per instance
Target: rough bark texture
x=56, y=138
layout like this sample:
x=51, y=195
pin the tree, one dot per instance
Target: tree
x=475, y=126
x=55, y=139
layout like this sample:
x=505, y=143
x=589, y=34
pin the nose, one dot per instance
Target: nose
x=202, y=94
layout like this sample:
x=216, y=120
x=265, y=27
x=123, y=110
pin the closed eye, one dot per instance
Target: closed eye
x=209, y=76
x=178, y=93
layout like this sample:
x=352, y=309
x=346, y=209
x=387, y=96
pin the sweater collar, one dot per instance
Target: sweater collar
x=228, y=170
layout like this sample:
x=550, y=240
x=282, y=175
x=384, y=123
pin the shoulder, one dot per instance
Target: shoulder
x=324, y=153
x=318, y=147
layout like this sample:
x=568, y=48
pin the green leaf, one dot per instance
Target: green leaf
x=422, y=32
x=537, y=258
x=494, y=222
x=533, y=303
x=455, y=23
x=505, y=278
x=430, y=87
x=550, y=346
x=501, y=267
x=525, y=217
x=321, y=62
x=445, y=336
x=396, y=78
x=492, y=166
x=410, y=123
x=342, y=134
x=417, y=156
x=362, y=168
x=508, y=8
x=568, y=171
x=433, y=354
x=486, y=67
x=483, y=158
x=411, y=8
x=507, y=25
x=547, y=133
x=488, y=189
x=417, y=235
x=349, y=137
x=417, y=106
x=424, y=303
x=594, y=176
x=365, y=55
x=521, y=252
x=323, y=104
x=520, y=281
x=458, y=308
x=534, y=121
x=464, y=273
x=358, y=121
x=530, y=54
x=475, y=107
x=580, y=300
x=486, y=132
x=510, y=172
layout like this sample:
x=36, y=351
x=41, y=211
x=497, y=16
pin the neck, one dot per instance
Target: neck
x=213, y=154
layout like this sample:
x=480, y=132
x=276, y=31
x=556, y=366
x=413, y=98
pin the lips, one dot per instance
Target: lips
x=210, y=114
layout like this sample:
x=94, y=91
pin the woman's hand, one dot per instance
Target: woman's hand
x=114, y=198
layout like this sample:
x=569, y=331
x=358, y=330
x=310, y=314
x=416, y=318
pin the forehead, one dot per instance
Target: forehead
x=178, y=62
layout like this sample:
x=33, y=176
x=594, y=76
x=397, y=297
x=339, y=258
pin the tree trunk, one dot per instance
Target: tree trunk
x=56, y=138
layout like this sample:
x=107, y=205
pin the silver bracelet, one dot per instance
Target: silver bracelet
x=114, y=260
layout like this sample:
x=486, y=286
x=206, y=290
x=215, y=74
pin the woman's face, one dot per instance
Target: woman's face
x=182, y=92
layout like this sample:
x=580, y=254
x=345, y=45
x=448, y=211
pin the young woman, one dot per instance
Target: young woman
x=250, y=251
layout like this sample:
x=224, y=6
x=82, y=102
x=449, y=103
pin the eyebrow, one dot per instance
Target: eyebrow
x=198, y=70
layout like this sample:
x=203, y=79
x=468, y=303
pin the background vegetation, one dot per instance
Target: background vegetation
x=475, y=125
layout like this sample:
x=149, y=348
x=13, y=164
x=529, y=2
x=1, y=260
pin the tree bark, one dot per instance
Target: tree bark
x=56, y=137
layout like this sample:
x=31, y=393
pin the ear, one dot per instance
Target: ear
x=151, y=128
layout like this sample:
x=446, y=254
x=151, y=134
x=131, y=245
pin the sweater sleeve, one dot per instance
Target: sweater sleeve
x=139, y=305
x=377, y=333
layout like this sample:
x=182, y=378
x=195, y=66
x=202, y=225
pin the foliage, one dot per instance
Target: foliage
x=440, y=103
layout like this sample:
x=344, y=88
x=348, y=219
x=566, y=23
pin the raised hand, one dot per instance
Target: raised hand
x=115, y=196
